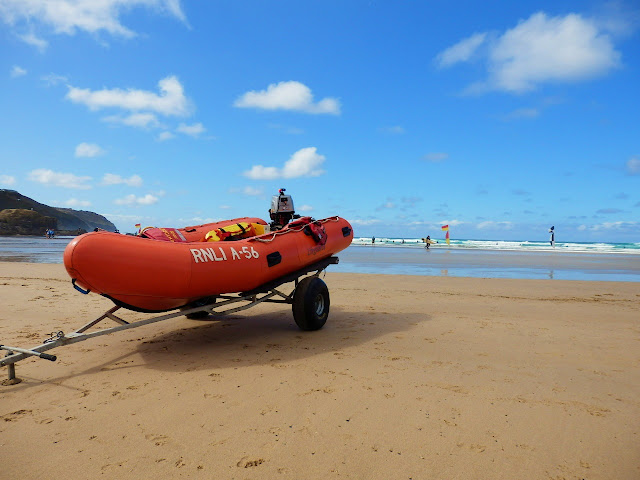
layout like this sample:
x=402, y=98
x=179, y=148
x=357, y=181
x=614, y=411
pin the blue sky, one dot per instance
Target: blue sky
x=497, y=118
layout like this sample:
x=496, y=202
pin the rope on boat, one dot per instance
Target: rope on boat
x=290, y=230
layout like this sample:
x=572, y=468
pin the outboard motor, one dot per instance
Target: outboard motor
x=281, y=211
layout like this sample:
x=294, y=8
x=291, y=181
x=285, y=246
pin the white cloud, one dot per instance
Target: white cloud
x=69, y=16
x=306, y=162
x=494, y=225
x=133, y=219
x=633, y=166
x=365, y=222
x=259, y=172
x=137, y=120
x=386, y=206
x=621, y=226
x=58, y=179
x=164, y=136
x=88, y=150
x=305, y=208
x=112, y=179
x=291, y=95
x=251, y=191
x=33, y=40
x=131, y=200
x=197, y=220
x=53, y=79
x=192, y=130
x=74, y=202
x=541, y=50
x=461, y=51
x=171, y=100
x=17, y=71
x=7, y=180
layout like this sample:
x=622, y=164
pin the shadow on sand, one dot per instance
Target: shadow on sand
x=233, y=341
x=250, y=340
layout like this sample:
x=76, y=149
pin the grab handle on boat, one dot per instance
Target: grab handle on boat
x=73, y=282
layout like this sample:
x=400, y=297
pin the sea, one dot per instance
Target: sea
x=501, y=245
x=596, y=261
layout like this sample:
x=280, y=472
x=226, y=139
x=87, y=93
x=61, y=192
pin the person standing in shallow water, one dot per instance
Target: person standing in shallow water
x=552, y=239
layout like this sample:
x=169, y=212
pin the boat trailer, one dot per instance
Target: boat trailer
x=309, y=298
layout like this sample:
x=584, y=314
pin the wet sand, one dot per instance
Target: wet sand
x=479, y=263
x=412, y=377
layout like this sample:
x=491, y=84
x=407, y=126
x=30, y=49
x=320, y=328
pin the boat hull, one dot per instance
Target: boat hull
x=152, y=275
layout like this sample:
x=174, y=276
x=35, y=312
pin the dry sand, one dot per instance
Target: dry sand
x=412, y=377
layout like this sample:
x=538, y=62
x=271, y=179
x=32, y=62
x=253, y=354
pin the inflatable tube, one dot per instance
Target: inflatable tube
x=155, y=275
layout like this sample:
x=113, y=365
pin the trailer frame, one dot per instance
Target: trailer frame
x=267, y=292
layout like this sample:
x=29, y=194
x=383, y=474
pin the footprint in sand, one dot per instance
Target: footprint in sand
x=159, y=440
x=245, y=463
x=475, y=447
x=13, y=416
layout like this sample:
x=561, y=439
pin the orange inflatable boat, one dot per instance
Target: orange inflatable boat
x=167, y=268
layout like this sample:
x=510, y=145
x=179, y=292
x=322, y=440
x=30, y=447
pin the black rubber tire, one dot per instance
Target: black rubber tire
x=199, y=303
x=311, y=304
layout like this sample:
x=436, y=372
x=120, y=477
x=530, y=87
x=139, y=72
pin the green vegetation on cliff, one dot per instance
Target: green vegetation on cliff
x=25, y=222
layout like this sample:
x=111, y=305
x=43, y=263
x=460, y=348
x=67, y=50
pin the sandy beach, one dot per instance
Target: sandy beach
x=413, y=377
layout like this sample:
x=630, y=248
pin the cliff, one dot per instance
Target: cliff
x=21, y=215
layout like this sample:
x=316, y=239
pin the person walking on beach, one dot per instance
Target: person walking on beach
x=552, y=239
x=428, y=242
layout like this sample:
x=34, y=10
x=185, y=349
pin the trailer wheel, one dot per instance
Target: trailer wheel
x=199, y=303
x=311, y=304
